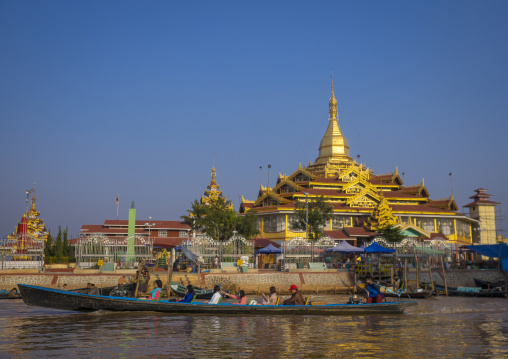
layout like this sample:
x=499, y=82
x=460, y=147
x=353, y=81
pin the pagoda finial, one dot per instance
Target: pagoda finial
x=332, y=105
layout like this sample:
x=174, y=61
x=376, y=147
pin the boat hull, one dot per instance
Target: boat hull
x=452, y=291
x=56, y=299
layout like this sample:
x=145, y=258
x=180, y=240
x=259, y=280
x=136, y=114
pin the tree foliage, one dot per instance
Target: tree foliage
x=218, y=221
x=58, y=248
x=391, y=234
x=319, y=212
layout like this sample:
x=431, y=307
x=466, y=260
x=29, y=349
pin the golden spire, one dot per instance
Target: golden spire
x=334, y=145
x=332, y=104
x=213, y=173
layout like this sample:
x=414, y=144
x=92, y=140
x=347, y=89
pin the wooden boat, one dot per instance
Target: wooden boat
x=6, y=296
x=456, y=292
x=489, y=285
x=129, y=290
x=57, y=299
x=179, y=290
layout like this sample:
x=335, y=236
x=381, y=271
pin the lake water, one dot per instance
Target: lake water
x=443, y=327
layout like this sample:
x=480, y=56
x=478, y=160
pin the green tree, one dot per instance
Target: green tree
x=319, y=212
x=390, y=233
x=219, y=221
x=214, y=219
x=247, y=225
x=48, y=247
x=59, y=248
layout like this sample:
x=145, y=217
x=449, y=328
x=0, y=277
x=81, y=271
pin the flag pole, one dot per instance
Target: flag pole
x=117, y=205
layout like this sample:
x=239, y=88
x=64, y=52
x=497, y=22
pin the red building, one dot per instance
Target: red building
x=166, y=234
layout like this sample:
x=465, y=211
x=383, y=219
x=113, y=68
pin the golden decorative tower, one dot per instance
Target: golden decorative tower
x=334, y=148
x=35, y=225
x=213, y=192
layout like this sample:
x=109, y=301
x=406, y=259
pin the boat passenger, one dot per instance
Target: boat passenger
x=271, y=299
x=242, y=299
x=13, y=293
x=122, y=280
x=189, y=295
x=156, y=293
x=296, y=297
x=373, y=291
x=216, y=297
x=92, y=289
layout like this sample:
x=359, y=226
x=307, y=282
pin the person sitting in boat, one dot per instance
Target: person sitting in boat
x=242, y=299
x=156, y=292
x=296, y=297
x=216, y=297
x=122, y=280
x=373, y=292
x=92, y=289
x=189, y=295
x=398, y=284
x=271, y=299
x=13, y=293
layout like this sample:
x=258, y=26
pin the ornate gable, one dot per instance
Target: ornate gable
x=270, y=199
x=287, y=186
x=366, y=198
x=301, y=175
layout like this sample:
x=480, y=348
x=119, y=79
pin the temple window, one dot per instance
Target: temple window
x=467, y=230
x=163, y=233
x=341, y=222
x=427, y=224
x=274, y=223
x=182, y=234
x=460, y=228
x=291, y=220
x=446, y=227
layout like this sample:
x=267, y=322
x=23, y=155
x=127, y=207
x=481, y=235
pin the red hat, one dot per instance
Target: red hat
x=293, y=287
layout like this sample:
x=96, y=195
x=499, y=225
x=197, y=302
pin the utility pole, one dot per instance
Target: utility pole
x=269, y=166
x=451, y=182
x=306, y=214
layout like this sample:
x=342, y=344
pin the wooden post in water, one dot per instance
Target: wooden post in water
x=405, y=271
x=391, y=275
x=444, y=276
x=371, y=269
x=170, y=274
x=430, y=275
x=417, y=272
x=354, y=285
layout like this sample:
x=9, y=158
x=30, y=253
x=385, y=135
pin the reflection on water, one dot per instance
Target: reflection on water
x=437, y=328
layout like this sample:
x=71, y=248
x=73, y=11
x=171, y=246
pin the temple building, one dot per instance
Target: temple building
x=362, y=201
x=35, y=226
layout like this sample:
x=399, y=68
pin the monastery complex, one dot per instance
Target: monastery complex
x=363, y=201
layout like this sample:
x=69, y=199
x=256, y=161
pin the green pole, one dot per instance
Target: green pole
x=131, y=231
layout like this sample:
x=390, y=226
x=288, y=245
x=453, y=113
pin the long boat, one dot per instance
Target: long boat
x=456, y=292
x=484, y=284
x=7, y=296
x=58, y=299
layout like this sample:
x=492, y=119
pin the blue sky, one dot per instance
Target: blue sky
x=135, y=98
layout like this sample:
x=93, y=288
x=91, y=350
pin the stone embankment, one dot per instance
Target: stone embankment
x=313, y=282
